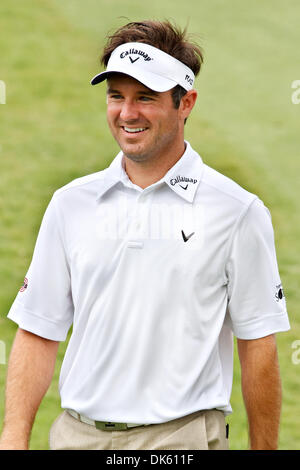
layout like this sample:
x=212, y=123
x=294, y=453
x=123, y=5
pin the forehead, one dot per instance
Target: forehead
x=122, y=78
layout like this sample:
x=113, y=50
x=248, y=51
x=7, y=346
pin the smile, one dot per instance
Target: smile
x=134, y=130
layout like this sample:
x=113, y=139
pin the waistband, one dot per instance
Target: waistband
x=104, y=425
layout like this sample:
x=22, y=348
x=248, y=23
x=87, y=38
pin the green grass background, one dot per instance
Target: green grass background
x=53, y=129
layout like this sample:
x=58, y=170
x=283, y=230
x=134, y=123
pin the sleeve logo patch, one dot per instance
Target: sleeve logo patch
x=25, y=285
x=279, y=293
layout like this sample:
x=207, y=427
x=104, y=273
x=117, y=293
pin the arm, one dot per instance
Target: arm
x=30, y=370
x=261, y=388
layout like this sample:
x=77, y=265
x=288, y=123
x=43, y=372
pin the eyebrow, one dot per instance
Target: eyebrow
x=111, y=91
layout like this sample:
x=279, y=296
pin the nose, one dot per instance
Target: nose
x=129, y=111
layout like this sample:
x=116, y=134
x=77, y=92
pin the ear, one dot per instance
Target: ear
x=187, y=103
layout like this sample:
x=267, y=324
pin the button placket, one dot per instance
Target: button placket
x=137, y=227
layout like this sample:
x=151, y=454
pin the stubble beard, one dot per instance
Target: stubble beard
x=156, y=149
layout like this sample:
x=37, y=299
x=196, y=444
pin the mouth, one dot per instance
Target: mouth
x=133, y=130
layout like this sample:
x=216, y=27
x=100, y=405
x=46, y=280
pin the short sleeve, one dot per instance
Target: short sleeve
x=44, y=304
x=256, y=301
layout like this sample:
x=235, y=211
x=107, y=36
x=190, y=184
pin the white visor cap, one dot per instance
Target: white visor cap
x=154, y=68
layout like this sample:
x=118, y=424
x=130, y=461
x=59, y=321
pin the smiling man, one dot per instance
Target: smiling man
x=157, y=261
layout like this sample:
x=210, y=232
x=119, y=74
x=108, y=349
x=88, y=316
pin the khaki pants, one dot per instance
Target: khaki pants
x=202, y=430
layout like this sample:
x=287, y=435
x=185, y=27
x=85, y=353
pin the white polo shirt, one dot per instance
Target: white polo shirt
x=155, y=283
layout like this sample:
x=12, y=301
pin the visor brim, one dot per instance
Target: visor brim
x=150, y=80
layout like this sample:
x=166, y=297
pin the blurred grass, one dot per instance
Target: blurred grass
x=53, y=129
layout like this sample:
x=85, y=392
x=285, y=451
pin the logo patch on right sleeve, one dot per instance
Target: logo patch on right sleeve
x=25, y=285
x=279, y=293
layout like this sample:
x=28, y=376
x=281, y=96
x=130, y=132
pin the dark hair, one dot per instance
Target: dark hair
x=162, y=35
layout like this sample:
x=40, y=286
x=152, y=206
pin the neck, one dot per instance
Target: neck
x=150, y=171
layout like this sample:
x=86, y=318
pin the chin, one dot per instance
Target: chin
x=136, y=157
x=136, y=153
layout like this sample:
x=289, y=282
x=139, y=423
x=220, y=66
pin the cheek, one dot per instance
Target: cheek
x=112, y=112
x=111, y=116
x=169, y=121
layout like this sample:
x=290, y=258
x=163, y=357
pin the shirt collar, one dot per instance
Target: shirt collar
x=183, y=178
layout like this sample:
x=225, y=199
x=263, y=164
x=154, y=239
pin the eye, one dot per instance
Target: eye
x=145, y=98
x=115, y=97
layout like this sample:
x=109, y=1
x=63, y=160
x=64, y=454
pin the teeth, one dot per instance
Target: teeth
x=138, y=129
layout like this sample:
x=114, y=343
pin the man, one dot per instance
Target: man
x=156, y=261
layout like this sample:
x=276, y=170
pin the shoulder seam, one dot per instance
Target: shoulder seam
x=249, y=194
x=235, y=227
x=60, y=232
x=73, y=184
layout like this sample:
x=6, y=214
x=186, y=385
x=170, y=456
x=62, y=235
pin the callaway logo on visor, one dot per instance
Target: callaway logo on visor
x=135, y=51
